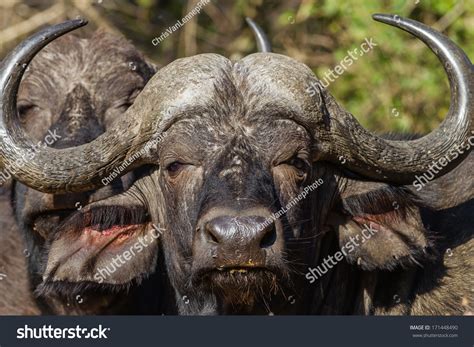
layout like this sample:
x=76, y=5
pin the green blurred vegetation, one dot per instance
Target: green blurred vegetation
x=399, y=86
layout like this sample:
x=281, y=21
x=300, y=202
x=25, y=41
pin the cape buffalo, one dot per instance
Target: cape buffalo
x=72, y=92
x=226, y=148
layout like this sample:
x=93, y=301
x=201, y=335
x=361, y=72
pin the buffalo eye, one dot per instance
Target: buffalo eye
x=298, y=163
x=174, y=168
x=300, y=166
x=25, y=110
x=125, y=106
x=130, y=99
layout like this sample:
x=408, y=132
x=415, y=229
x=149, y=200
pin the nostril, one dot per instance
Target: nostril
x=211, y=233
x=269, y=236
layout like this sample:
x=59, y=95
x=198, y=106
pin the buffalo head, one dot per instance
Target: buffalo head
x=72, y=92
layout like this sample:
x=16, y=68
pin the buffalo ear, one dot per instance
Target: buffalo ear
x=111, y=242
x=76, y=258
x=381, y=229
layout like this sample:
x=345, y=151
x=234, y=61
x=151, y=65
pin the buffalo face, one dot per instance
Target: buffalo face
x=224, y=169
x=73, y=92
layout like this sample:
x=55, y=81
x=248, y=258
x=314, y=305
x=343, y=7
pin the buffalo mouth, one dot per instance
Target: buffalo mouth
x=238, y=284
x=233, y=270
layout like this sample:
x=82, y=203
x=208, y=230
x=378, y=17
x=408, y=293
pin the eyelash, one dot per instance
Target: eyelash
x=298, y=163
x=174, y=168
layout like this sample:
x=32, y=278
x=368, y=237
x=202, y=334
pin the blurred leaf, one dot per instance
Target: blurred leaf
x=145, y=3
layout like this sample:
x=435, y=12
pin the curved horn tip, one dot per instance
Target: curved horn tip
x=395, y=20
x=262, y=40
x=27, y=49
x=250, y=21
x=79, y=20
x=73, y=23
x=51, y=32
x=68, y=25
x=453, y=131
x=384, y=17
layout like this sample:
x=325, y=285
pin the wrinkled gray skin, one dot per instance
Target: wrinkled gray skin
x=76, y=88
